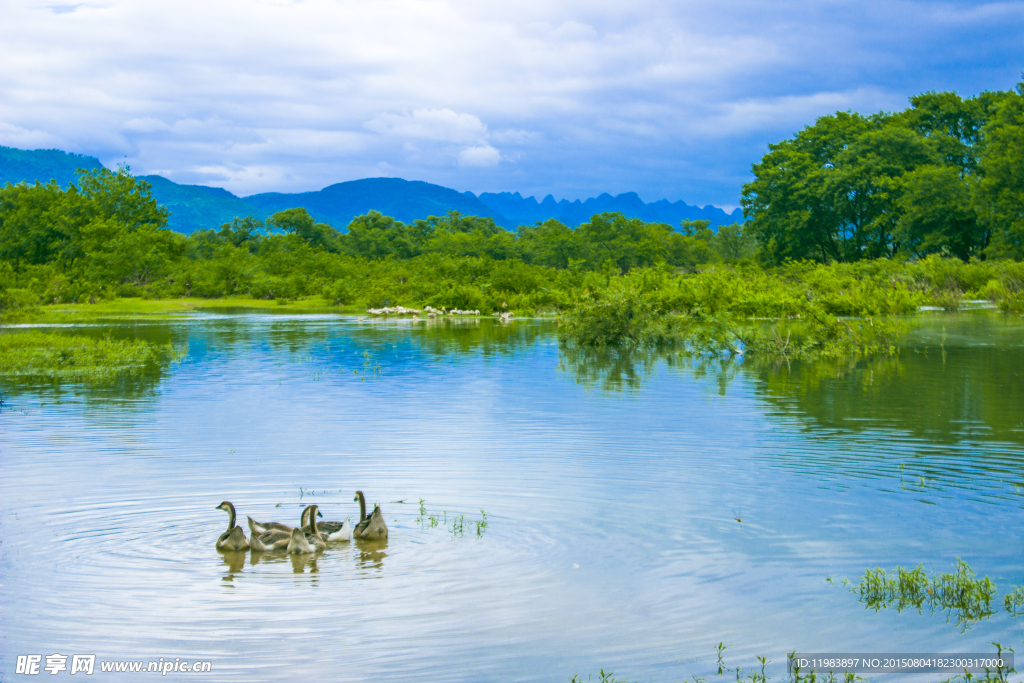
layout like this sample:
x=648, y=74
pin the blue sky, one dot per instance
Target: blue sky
x=668, y=99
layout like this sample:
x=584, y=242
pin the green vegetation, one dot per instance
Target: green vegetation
x=958, y=593
x=77, y=358
x=456, y=525
x=1014, y=601
x=945, y=176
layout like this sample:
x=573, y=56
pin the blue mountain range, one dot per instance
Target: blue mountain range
x=195, y=207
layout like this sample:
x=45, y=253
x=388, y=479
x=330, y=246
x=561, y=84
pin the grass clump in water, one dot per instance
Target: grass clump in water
x=456, y=525
x=79, y=358
x=960, y=593
x=1014, y=601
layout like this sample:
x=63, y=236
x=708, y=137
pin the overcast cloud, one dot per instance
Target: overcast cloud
x=669, y=99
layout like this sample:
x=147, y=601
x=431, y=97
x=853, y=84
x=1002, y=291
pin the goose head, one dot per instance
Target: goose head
x=227, y=507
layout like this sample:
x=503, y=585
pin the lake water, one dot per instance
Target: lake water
x=639, y=511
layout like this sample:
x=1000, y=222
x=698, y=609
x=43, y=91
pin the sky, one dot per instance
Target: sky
x=572, y=98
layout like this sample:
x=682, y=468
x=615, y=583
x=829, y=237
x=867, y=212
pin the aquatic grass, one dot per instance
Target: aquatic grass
x=603, y=677
x=80, y=358
x=456, y=526
x=960, y=593
x=481, y=524
x=371, y=368
x=1014, y=601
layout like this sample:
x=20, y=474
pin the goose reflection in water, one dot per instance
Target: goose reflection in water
x=235, y=560
x=371, y=554
x=301, y=561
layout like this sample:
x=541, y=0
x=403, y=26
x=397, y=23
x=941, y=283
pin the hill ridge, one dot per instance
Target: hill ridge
x=195, y=207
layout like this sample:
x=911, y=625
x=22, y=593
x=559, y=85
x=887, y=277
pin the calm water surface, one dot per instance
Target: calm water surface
x=640, y=510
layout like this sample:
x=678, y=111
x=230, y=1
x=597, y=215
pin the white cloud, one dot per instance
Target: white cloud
x=793, y=111
x=253, y=175
x=517, y=137
x=26, y=138
x=146, y=125
x=483, y=155
x=431, y=124
x=669, y=99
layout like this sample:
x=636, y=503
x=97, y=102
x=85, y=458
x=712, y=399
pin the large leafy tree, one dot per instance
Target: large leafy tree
x=1000, y=192
x=863, y=189
x=936, y=215
x=937, y=178
x=791, y=200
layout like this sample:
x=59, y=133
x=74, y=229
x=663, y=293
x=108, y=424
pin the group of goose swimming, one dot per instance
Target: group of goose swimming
x=308, y=537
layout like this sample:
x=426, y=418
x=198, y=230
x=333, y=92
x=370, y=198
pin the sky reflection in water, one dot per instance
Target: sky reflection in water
x=640, y=510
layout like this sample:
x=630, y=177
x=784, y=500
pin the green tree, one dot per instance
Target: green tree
x=864, y=187
x=377, y=236
x=954, y=124
x=734, y=242
x=106, y=229
x=627, y=242
x=548, y=243
x=300, y=223
x=791, y=200
x=121, y=236
x=852, y=187
x=936, y=216
x=243, y=232
x=1000, y=193
x=36, y=223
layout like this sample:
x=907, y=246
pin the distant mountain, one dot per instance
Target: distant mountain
x=43, y=165
x=404, y=200
x=191, y=206
x=522, y=211
x=196, y=206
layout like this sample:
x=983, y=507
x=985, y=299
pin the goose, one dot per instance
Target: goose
x=279, y=539
x=370, y=528
x=258, y=528
x=299, y=544
x=332, y=531
x=234, y=538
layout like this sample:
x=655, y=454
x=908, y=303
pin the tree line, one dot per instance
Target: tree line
x=107, y=235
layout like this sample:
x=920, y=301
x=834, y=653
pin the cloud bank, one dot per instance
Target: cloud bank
x=573, y=98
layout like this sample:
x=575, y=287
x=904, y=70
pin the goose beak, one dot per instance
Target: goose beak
x=319, y=514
